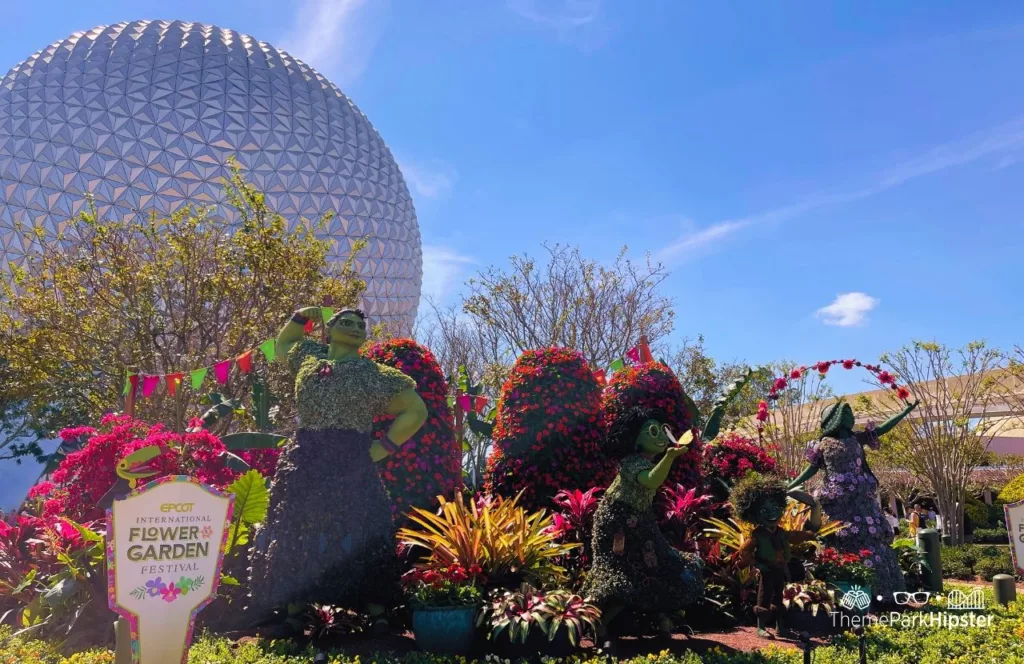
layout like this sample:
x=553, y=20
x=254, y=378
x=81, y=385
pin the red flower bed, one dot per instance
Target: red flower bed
x=430, y=463
x=83, y=477
x=549, y=429
x=653, y=385
x=732, y=456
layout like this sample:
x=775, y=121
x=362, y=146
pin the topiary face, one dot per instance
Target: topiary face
x=759, y=499
x=652, y=438
x=348, y=330
x=837, y=420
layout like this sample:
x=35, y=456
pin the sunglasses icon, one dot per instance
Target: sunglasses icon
x=920, y=597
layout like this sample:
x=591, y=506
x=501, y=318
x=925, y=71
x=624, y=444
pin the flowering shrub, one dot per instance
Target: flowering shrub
x=83, y=477
x=732, y=456
x=653, y=385
x=430, y=463
x=445, y=586
x=833, y=566
x=549, y=429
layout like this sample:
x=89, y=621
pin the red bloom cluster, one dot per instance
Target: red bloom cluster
x=84, y=476
x=884, y=378
x=439, y=576
x=831, y=556
x=549, y=429
x=653, y=385
x=430, y=463
x=732, y=456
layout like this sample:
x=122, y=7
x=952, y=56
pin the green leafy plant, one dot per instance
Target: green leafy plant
x=320, y=621
x=499, y=537
x=520, y=613
x=812, y=596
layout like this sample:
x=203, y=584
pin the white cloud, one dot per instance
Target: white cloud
x=848, y=309
x=1006, y=140
x=444, y=270
x=337, y=37
x=434, y=179
x=579, y=22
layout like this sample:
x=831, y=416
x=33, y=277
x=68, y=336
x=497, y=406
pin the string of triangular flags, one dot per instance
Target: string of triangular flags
x=221, y=370
x=638, y=354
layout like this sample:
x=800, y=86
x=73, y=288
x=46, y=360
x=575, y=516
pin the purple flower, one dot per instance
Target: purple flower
x=155, y=586
x=869, y=520
x=869, y=563
x=857, y=518
x=873, y=530
x=853, y=529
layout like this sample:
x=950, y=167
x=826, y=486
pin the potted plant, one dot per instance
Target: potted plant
x=808, y=606
x=847, y=572
x=528, y=622
x=444, y=605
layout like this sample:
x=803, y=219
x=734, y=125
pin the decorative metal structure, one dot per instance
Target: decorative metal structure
x=144, y=116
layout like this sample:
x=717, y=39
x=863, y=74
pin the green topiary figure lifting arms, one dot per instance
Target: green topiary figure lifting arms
x=760, y=500
x=329, y=536
x=849, y=492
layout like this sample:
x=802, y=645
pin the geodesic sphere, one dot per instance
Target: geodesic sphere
x=144, y=116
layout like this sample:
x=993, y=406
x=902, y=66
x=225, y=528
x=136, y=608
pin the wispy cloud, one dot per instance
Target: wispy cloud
x=1006, y=140
x=576, y=21
x=337, y=37
x=847, y=310
x=433, y=179
x=444, y=269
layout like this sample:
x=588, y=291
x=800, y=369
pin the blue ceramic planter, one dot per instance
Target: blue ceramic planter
x=448, y=629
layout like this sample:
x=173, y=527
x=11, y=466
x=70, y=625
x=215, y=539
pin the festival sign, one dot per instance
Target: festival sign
x=165, y=548
x=1015, y=526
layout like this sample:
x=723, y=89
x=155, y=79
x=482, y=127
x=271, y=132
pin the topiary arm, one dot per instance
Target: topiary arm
x=890, y=424
x=292, y=333
x=809, y=471
x=655, y=477
x=718, y=410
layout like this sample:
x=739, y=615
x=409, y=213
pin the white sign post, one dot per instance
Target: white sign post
x=1015, y=526
x=165, y=548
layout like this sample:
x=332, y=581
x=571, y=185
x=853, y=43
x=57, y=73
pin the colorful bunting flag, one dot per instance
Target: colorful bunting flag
x=198, y=376
x=149, y=384
x=221, y=370
x=327, y=313
x=617, y=365
x=245, y=362
x=129, y=383
x=269, y=349
x=633, y=355
x=599, y=375
x=173, y=380
x=480, y=405
x=465, y=402
x=309, y=326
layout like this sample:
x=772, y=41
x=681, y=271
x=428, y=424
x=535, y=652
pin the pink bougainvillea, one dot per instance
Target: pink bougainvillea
x=549, y=429
x=86, y=475
x=732, y=456
x=430, y=463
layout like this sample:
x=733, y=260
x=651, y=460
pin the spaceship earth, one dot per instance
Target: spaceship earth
x=144, y=116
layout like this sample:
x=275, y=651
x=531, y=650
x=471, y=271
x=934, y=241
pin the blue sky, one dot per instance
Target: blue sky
x=775, y=156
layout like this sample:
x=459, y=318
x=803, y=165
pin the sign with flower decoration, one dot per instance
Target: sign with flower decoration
x=1015, y=526
x=165, y=548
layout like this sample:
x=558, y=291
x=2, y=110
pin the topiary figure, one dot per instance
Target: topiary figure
x=549, y=431
x=653, y=386
x=430, y=463
x=760, y=500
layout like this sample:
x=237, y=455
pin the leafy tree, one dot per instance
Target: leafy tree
x=948, y=435
x=160, y=295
